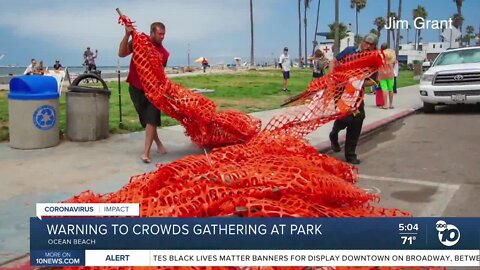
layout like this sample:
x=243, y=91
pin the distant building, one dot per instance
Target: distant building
x=407, y=52
x=429, y=51
x=327, y=45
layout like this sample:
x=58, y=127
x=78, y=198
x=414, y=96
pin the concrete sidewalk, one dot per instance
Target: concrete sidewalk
x=57, y=173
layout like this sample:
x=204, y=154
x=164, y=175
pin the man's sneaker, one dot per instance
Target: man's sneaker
x=353, y=160
x=334, y=143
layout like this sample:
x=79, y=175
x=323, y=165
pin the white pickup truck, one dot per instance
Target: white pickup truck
x=453, y=78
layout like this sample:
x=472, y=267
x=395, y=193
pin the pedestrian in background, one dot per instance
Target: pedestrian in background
x=285, y=63
x=40, y=68
x=57, y=65
x=395, y=73
x=31, y=69
x=319, y=63
x=386, y=76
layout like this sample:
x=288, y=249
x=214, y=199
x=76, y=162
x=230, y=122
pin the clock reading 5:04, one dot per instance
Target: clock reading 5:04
x=407, y=227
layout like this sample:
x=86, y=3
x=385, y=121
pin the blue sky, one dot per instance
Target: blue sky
x=216, y=29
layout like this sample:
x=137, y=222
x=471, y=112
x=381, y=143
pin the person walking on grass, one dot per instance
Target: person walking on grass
x=204, y=64
x=148, y=114
x=285, y=63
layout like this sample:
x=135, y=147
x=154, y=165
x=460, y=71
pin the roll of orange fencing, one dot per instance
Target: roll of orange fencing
x=196, y=113
x=273, y=173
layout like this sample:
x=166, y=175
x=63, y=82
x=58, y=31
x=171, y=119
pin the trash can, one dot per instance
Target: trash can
x=87, y=110
x=33, y=112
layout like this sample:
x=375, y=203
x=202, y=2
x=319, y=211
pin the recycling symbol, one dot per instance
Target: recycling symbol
x=44, y=117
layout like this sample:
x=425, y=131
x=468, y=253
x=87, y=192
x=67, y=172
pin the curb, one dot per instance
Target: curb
x=324, y=147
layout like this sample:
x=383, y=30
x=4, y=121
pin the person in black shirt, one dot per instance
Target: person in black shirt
x=57, y=65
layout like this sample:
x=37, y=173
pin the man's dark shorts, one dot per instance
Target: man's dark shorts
x=147, y=113
x=286, y=75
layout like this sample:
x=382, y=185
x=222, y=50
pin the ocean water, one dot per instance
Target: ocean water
x=5, y=71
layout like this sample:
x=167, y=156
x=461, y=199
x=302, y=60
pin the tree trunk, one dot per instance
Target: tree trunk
x=305, y=28
x=336, y=48
x=299, y=34
x=416, y=30
x=397, y=42
x=418, y=39
x=316, y=28
x=388, y=16
x=459, y=11
x=393, y=39
x=356, y=20
x=252, y=59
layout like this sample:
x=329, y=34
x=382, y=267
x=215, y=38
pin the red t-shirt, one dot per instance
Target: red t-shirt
x=133, y=77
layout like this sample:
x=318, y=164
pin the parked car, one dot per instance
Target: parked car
x=453, y=78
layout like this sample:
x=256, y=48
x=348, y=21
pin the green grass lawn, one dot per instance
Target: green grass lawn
x=248, y=91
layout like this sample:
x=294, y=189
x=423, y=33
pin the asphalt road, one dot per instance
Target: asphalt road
x=426, y=164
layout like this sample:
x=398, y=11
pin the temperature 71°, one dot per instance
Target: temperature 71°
x=408, y=239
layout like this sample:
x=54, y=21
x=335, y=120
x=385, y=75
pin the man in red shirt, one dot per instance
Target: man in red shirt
x=148, y=114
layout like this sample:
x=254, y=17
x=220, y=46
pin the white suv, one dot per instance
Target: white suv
x=454, y=78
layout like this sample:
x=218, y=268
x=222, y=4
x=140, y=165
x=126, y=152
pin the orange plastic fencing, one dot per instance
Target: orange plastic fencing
x=330, y=97
x=196, y=113
x=273, y=173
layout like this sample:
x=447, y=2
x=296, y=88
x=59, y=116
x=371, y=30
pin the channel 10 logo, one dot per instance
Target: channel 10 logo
x=448, y=234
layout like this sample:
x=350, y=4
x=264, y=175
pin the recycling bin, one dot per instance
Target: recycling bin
x=87, y=109
x=33, y=112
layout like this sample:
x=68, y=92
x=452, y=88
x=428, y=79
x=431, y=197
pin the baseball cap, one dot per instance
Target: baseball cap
x=371, y=38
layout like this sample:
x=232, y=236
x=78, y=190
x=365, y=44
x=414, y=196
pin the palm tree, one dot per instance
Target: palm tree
x=306, y=6
x=299, y=34
x=380, y=23
x=342, y=31
x=252, y=59
x=457, y=20
x=388, y=16
x=394, y=16
x=358, y=5
x=471, y=33
x=408, y=33
x=316, y=28
x=399, y=37
x=422, y=13
x=459, y=12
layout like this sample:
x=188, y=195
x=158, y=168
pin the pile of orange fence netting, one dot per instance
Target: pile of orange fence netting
x=272, y=173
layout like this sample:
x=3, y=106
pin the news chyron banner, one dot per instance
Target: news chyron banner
x=114, y=235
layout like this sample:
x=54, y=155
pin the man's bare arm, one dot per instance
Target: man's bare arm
x=124, y=48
